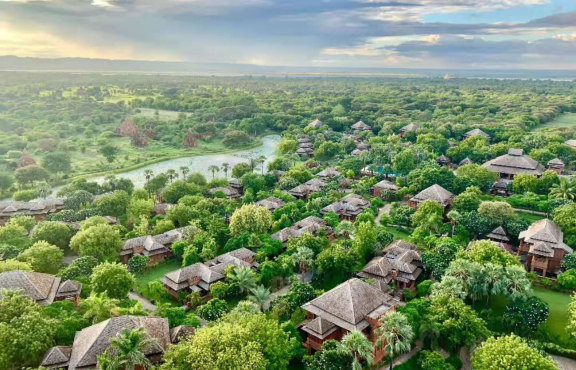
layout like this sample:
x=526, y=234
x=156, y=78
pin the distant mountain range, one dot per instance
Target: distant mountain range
x=14, y=63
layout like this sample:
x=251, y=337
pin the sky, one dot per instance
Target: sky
x=463, y=34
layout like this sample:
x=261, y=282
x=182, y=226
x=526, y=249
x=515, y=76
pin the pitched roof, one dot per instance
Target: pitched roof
x=556, y=162
x=348, y=304
x=320, y=328
x=476, y=132
x=92, y=341
x=57, y=357
x=361, y=126
x=545, y=231
x=571, y=143
x=272, y=203
x=386, y=185
x=410, y=127
x=350, y=205
x=436, y=193
x=513, y=163
x=310, y=224
x=465, y=161
x=42, y=288
x=498, y=234
x=328, y=173
x=315, y=124
x=45, y=206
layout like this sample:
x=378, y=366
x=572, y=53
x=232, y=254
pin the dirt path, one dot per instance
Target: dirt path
x=146, y=304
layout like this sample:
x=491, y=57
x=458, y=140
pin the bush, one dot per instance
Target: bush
x=568, y=279
x=212, y=310
x=138, y=263
x=25, y=195
x=424, y=288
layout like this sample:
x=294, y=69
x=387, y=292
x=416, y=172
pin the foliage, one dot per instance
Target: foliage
x=13, y=265
x=111, y=278
x=568, y=279
x=54, y=232
x=525, y=316
x=498, y=211
x=43, y=257
x=509, y=352
x=138, y=263
x=250, y=218
x=100, y=241
x=395, y=333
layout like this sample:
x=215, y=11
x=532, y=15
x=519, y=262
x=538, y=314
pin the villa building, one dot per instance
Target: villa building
x=408, y=128
x=360, y=127
x=157, y=247
x=348, y=208
x=271, y=203
x=310, y=224
x=436, y=193
x=41, y=288
x=475, y=132
x=38, y=209
x=514, y=163
x=383, y=188
x=304, y=190
x=328, y=173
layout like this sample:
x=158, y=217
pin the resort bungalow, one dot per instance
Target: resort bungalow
x=500, y=237
x=360, y=127
x=400, y=263
x=408, y=128
x=271, y=203
x=443, y=161
x=311, y=224
x=93, y=341
x=465, y=161
x=513, y=163
x=41, y=288
x=157, y=247
x=309, y=187
x=475, y=132
x=383, y=188
x=328, y=173
x=38, y=209
x=570, y=143
x=557, y=166
x=542, y=247
x=200, y=276
x=436, y=193
x=352, y=305
x=348, y=208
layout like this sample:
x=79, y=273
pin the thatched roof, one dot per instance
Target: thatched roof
x=443, y=160
x=310, y=224
x=41, y=207
x=271, y=203
x=180, y=332
x=92, y=341
x=571, y=143
x=307, y=188
x=155, y=244
x=499, y=234
x=328, y=173
x=436, y=193
x=547, y=232
x=400, y=261
x=350, y=303
x=230, y=192
x=57, y=357
x=361, y=126
x=476, y=132
x=515, y=162
x=320, y=328
x=386, y=185
x=42, y=288
x=556, y=162
x=465, y=161
x=410, y=127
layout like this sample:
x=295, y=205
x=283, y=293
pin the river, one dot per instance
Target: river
x=199, y=163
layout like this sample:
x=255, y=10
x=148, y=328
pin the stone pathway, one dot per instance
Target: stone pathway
x=406, y=356
x=564, y=363
x=464, y=356
x=277, y=293
x=69, y=259
x=384, y=210
x=146, y=304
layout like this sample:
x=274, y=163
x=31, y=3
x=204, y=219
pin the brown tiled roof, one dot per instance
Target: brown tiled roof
x=309, y=187
x=361, y=126
x=476, y=132
x=410, y=127
x=272, y=203
x=436, y=193
x=155, y=244
x=39, y=287
x=57, y=357
x=465, y=161
x=229, y=192
x=45, y=206
x=348, y=304
x=328, y=173
x=350, y=205
x=556, y=162
x=545, y=231
x=401, y=261
x=515, y=162
x=498, y=234
x=310, y=224
x=315, y=124
x=180, y=332
x=320, y=328
x=92, y=341
x=386, y=185
x=571, y=143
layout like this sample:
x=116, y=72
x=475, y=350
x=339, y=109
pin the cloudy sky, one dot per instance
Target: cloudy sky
x=355, y=33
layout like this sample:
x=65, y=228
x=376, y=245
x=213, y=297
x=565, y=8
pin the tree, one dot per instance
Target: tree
x=564, y=217
x=100, y=241
x=261, y=296
x=179, y=189
x=395, y=333
x=330, y=358
x=237, y=341
x=476, y=175
x=568, y=279
x=213, y=310
x=483, y=251
x=429, y=216
x=112, y=278
x=404, y=162
x=509, y=353
x=57, y=162
x=569, y=262
x=432, y=360
x=31, y=174
x=114, y=204
x=43, y=257
x=359, y=347
x=571, y=327
x=250, y=218
x=468, y=201
x=334, y=261
x=98, y=307
x=54, y=232
x=459, y=323
x=524, y=183
x=13, y=265
x=565, y=189
x=240, y=170
x=214, y=169
x=129, y=346
x=236, y=138
x=243, y=277
x=498, y=211
x=26, y=333
x=109, y=152
x=328, y=150
x=365, y=240
x=525, y=316
x=6, y=181
x=287, y=146
x=138, y=263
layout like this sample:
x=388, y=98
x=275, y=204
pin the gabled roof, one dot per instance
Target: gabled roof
x=179, y=279
x=315, y=124
x=348, y=304
x=92, y=341
x=545, y=231
x=361, y=126
x=386, y=185
x=436, y=193
x=320, y=328
x=57, y=357
x=499, y=234
x=515, y=162
x=465, y=161
x=476, y=132
x=350, y=205
x=556, y=162
x=272, y=203
x=328, y=173
x=310, y=224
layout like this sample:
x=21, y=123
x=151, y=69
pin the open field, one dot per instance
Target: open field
x=163, y=115
x=156, y=273
x=564, y=120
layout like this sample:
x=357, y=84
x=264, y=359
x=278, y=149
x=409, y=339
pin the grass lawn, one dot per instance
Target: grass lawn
x=398, y=233
x=156, y=273
x=163, y=115
x=529, y=217
x=564, y=120
x=558, y=318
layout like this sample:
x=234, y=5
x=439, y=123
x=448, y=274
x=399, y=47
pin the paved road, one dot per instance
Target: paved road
x=565, y=363
x=146, y=304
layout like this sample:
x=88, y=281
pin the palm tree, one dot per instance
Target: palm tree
x=225, y=168
x=213, y=168
x=148, y=174
x=344, y=229
x=129, y=348
x=565, y=189
x=98, y=307
x=292, y=158
x=171, y=174
x=359, y=347
x=185, y=171
x=394, y=331
x=244, y=277
x=262, y=160
x=430, y=332
x=260, y=296
x=253, y=162
x=519, y=286
x=106, y=362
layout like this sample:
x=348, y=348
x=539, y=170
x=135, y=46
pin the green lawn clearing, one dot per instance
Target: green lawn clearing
x=563, y=120
x=398, y=233
x=529, y=217
x=156, y=273
x=558, y=318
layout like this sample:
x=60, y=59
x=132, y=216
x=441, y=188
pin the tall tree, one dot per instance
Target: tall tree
x=359, y=347
x=129, y=348
x=396, y=334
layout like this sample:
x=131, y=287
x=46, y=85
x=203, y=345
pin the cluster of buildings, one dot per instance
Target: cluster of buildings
x=38, y=209
x=157, y=247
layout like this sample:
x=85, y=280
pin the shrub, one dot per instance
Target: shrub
x=138, y=263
